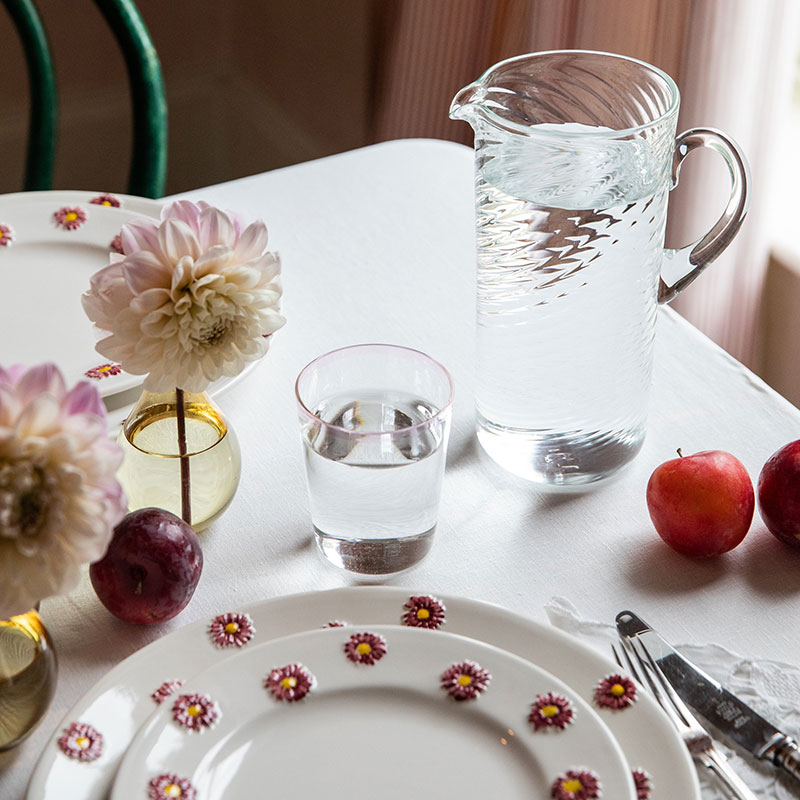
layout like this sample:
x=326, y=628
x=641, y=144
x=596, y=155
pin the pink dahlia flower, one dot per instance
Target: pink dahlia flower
x=59, y=501
x=190, y=300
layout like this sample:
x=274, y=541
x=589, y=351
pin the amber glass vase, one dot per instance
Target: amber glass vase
x=153, y=474
x=28, y=672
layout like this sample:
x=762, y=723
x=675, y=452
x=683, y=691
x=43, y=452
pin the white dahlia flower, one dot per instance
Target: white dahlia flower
x=59, y=500
x=190, y=299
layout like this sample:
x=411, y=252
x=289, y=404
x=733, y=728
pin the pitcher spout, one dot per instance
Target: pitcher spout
x=466, y=103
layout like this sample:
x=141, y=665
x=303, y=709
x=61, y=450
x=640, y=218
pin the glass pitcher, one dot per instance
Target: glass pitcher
x=575, y=155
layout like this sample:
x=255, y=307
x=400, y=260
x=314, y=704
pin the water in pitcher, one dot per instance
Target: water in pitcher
x=569, y=250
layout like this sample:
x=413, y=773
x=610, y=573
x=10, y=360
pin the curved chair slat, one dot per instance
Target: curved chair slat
x=43, y=118
x=149, y=159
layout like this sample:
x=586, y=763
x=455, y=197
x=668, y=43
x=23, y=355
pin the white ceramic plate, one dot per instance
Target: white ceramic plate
x=121, y=701
x=381, y=727
x=46, y=268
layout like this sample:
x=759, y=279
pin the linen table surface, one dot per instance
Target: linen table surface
x=377, y=245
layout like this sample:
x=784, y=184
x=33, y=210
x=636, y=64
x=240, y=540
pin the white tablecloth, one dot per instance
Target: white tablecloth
x=378, y=246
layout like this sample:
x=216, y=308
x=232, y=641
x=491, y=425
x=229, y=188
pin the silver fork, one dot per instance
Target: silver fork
x=700, y=744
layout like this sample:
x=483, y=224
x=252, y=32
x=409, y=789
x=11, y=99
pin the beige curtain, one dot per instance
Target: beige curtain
x=732, y=60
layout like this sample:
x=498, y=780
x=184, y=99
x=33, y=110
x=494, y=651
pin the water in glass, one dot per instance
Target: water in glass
x=374, y=478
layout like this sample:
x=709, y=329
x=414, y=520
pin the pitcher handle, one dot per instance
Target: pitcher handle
x=697, y=256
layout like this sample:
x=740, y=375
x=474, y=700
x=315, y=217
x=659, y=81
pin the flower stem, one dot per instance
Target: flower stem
x=186, y=503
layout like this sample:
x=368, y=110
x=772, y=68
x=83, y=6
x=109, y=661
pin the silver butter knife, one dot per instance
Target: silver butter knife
x=721, y=708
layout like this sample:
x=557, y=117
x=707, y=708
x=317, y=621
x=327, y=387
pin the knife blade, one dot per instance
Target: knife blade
x=726, y=712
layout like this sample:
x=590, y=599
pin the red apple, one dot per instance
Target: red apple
x=779, y=493
x=701, y=505
x=151, y=568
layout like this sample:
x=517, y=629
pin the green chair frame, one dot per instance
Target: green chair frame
x=149, y=158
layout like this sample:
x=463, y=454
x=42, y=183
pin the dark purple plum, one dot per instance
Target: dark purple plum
x=151, y=568
x=779, y=494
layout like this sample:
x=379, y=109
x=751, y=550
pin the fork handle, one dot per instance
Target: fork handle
x=788, y=758
x=718, y=764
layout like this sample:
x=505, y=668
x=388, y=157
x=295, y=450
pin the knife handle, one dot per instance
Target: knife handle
x=787, y=757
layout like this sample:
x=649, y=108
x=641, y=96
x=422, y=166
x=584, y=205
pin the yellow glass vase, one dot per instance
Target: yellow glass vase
x=154, y=471
x=28, y=671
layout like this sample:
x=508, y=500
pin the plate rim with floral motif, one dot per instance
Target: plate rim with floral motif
x=120, y=702
x=252, y=695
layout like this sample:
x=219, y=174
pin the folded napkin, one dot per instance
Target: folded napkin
x=770, y=687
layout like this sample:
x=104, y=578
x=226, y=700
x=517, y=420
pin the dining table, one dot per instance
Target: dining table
x=377, y=245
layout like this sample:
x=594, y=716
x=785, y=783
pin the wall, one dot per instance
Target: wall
x=251, y=86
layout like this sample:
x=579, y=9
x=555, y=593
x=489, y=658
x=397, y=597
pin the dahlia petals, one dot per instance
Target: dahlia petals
x=139, y=234
x=183, y=210
x=177, y=240
x=270, y=266
x=214, y=260
x=60, y=459
x=143, y=271
x=215, y=228
x=83, y=398
x=150, y=300
x=252, y=242
x=40, y=379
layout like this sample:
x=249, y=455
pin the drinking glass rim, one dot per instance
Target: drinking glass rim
x=417, y=425
x=675, y=98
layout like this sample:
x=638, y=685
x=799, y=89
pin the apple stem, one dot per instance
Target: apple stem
x=679, y=452
x=186, y=504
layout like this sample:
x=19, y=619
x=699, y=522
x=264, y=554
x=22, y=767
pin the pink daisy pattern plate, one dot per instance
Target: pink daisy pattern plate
x=167, y=689
x=81, y=742
x=643, y=783
x=106, y=200
x=169, y=787
x=424, y=682
x=195, y=712
x=423, y=611
x=615, y=691
x=551, y=710
x=465, y=680
x=54, y=241
x=231, y=629
x=365, y=648
x=6, y=235
x=290, y=683
x=576, y=784
x=103, y=371
x=70, y=218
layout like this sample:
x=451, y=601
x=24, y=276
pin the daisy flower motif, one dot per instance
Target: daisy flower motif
x=103, y=371
x=643, y=784
x=615, y=691
x=165, y=690
x=115, y=245
x=423, y=612
x=6, y=235
x=551, y=711
x=105, y=200
x=81, y=741
x=290, y=683
x=576, y=784
x=227, y=630
x=365, y=648
x=191, y=299
x=465, y=680
x=195, y=712
x=334, y=623
x=70, y=217
x=169, y=787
